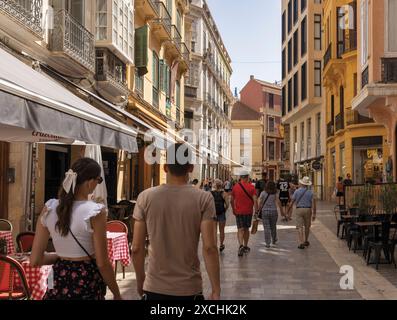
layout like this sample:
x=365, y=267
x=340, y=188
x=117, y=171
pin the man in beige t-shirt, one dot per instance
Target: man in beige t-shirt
x=173, y=216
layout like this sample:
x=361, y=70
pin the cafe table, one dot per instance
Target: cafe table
x=7, y=235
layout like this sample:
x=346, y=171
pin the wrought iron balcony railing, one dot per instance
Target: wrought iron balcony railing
x=185, y=53
x=339, y=122
x=164, y=16
x=330, y=129
x=350, y=41
x=364, y=77
x=176, y=37
x=190, y=92
x=389, y=70
x=28, y=13
x=328, y=55
x=353, y=117
x=70, y=37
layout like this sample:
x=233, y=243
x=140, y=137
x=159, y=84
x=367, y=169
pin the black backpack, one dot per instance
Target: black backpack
x=219, y=202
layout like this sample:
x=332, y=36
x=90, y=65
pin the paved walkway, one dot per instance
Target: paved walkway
x=285, y=272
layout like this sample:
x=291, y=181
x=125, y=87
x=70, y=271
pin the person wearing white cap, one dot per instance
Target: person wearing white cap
x=305, y=211
x=243, y=201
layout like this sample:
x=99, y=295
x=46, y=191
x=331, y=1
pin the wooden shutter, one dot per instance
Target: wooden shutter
x=141, y=50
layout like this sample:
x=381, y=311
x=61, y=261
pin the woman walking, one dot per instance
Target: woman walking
x=81, y=267
x=221, y=206
x=269, y=202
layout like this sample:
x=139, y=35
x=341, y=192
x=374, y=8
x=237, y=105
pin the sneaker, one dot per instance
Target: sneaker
x=222, y=247
x=301, y=246
x=241, y=251
x=247, y=249
x=306, y=244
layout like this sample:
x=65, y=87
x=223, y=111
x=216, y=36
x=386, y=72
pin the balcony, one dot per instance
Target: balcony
x=330, y=129
x=70, y=42
x=148, y=8
x=350, y=41
x=162, y=24
x=190, y=92
x=389, y=70
x=339, y=122
x=364, y=78
x=353, y=118
x=111, y=74
x=28, y=14
x=328, y=55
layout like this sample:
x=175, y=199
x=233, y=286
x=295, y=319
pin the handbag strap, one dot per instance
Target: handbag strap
x=81, y=246
x=246, y=192
x=263, y=205
x=300, y=198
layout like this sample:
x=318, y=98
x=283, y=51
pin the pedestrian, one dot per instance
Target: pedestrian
x=340, y=190
x=284, y=197
x=221, y=206
x=77, y=226
x=260, y=184
x=348, y=181
x=195, y=184
x=173, y=216
x=305, y=211
x=243, y=201
x=228, y=186
x=268, y=202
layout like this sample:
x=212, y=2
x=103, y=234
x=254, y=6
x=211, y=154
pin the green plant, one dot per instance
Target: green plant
x=364, y=197
x=388, y=197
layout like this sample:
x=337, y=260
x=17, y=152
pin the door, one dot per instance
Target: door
x=57, y=163
x=109, y=160
x=4, y=162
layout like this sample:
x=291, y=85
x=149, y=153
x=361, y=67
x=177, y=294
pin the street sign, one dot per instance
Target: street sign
x=316, y=165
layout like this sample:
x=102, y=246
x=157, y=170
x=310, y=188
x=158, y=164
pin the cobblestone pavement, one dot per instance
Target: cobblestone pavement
x=285, y=272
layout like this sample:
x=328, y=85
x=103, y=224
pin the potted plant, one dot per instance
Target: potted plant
x=3, y=246
x=363, y=198
x=388, y=198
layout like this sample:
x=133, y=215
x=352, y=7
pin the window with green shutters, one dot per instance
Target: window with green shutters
x=156, y=79
x=178, y=101
x=169, y=7
x=141, y=50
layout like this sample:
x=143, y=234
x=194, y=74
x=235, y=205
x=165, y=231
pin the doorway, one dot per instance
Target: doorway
x=109, y=160
x=57, y=163
x=4, y=163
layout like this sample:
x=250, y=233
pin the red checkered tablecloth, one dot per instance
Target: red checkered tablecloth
x=10, y=243
x=36, y=278
x=118, y=249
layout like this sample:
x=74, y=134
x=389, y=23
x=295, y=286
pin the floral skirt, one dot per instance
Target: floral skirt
x=76, y=280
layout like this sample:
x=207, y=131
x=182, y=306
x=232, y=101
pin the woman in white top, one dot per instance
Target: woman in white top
x=81, y=267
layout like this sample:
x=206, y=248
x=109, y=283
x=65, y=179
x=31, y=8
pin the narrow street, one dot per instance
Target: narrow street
x=284, y=272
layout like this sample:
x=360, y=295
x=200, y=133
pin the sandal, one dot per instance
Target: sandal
x=222, y=247
x=301, y=246
x=306, y=244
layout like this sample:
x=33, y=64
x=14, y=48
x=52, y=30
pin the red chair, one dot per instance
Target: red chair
x=25, y=241
x=117, y=226
x=10, y=267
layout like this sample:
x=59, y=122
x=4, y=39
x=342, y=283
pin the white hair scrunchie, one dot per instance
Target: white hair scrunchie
x=70, y=181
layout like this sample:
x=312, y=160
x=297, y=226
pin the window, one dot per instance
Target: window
x=169, y=7
x=179, y=21
x=283, y=102
x=296, y=43
x=283, y=155
x=283, y=65
x=364, y=32
x=317, y=79
x=289, y=56
x=290, y=16
x=289, y=95
x=75, y=9
x=178, y=101
x=342, y=99
x=391, y=26
x=156, y=79
x=303, y=5
x=340, y=31
x=296, y=88
x=317, y=32
x=271, y=100
x=302, y=151
x=271, y=150
x=283, y=27
x=296, y=11
x=271, y=122
x=304, y=82
x=304, y=37
x=355, y=84
x=101, y=20
x=318, y=135
x=309, y=138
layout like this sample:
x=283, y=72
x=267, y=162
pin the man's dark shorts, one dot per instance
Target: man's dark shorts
x=284, y=202
x=244, y=221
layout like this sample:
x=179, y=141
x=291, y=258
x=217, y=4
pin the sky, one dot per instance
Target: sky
x=251, y=32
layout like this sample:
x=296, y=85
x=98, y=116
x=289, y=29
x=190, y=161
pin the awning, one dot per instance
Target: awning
x=33, y=101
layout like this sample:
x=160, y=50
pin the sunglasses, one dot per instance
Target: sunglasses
x=99, y=179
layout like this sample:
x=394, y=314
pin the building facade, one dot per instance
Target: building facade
x=355, y=144
x=247, y=141
x=265, y=98
x=377, y=72
x=302, y=90
x=208, y=98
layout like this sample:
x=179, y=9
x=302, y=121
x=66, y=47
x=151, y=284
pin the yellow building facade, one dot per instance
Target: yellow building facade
x=356, y=145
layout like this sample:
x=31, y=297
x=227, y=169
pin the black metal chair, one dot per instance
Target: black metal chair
x=381, y=243
x=5, y=225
